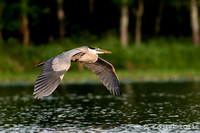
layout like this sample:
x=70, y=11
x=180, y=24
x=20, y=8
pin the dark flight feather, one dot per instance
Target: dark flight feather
x=106, y=73
x=47, y=81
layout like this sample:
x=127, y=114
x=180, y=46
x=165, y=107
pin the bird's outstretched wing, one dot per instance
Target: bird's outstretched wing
x=106, y=73
x=52, y=74
x=48, y=80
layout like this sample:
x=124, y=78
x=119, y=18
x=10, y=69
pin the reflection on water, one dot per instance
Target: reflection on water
x=142, y=107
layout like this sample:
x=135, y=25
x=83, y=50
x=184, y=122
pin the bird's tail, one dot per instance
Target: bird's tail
x=39, y=64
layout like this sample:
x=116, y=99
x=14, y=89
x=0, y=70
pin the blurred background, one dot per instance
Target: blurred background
x=158, y=38
x=155, y=51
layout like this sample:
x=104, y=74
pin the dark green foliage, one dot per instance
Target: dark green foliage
x=155, y=54
x=44, y=26
x=99, y=28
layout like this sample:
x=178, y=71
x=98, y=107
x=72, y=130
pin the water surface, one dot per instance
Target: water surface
x=168, y=106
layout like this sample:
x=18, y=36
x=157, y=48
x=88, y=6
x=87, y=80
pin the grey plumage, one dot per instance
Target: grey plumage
x=47, y=81
x=106, y=73
x=54, y=69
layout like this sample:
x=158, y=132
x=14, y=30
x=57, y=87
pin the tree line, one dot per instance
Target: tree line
x=34, y=21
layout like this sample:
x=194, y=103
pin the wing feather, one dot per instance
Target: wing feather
x=47, y=81
x=52, y=73
x=48, y=88
x=106, y=73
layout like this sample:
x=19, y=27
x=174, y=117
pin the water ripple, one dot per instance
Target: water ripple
x=144, y=108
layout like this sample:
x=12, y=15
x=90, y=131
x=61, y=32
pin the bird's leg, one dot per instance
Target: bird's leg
x=39, y=64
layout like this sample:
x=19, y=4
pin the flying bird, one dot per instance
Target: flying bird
x=53, y=70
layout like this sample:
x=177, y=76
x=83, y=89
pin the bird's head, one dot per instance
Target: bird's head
x=99, y=51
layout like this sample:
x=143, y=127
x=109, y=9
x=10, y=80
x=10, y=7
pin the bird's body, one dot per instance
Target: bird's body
x=53, y=70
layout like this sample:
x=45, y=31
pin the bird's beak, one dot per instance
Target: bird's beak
x=101, y=51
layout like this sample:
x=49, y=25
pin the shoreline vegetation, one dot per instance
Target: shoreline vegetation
x=160, y=59
x=124, y=77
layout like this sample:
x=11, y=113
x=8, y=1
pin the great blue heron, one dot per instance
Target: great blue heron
x=54, y=69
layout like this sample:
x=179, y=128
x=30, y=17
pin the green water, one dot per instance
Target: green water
x=148, y=107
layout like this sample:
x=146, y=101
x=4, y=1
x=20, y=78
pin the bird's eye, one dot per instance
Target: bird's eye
x=92, y=48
